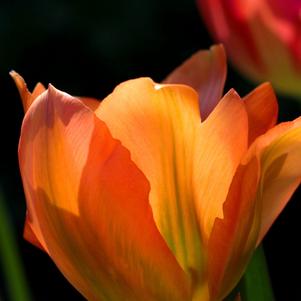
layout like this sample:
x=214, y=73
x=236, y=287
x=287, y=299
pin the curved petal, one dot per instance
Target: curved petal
x=218, y=153
x=190, y=165
x=279, y=152
x=206, y=72
x=264, y=182
x=233, y=237
x=30, y=236
x=26, y=97
x=88, y=204
x=262, y=108
x=159, y=124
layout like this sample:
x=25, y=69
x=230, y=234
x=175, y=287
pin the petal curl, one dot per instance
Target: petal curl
x=279, y=153
x=206, y=72
x=88, y=204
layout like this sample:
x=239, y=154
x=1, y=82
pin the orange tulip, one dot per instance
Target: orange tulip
x=262, y=38
x=141, y=196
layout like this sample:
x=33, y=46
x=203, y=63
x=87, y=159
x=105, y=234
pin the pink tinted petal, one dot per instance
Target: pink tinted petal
x=206, y=72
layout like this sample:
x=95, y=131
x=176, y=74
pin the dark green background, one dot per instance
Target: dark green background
x=87, y=48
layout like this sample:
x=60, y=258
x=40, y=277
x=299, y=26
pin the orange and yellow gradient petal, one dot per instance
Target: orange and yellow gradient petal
x=157, y=192
x=103, y=239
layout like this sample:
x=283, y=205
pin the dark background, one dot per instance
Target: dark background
x=87, y=48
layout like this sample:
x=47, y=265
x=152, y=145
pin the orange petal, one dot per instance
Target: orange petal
x=30, y=236
x=233, y=238
x=160, y=125
x=254, y=201
x=279, y=152
x=222, y=143
x=26, y=97
x=188, y=164
x=262, y=108
x=206, y=72
x=88, y=204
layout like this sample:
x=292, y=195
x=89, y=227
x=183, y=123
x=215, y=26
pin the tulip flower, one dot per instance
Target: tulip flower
x=262, y=38
x=161, y=191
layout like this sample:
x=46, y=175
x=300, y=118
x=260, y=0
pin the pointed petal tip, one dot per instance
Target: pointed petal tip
x=205, y=71
x=267, y=84
x=13, y=73
x=22, y=88
x=232, y=92
x=27, y=97
x=262, y=107
x=218, y=47
x=53, y=92
x=18, y=79
x=268, y=87
x=51, y=88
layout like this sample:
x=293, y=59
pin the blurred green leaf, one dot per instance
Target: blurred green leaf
x=12, y=269
x=256, y=284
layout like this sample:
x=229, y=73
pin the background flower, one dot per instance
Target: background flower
x=262, y=37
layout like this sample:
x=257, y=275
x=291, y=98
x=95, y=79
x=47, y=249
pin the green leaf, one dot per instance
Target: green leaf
x=256, y=284
x=11, y=265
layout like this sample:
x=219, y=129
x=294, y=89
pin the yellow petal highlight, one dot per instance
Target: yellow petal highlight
x=262, y=108
x=190, y=165
x=26, y=97
x=222, y=143
x=88, y=204
x=279, y=151
x=269, y=174
x=233, y=237
x=159, y=124
x=137, y=198
x=205, y=71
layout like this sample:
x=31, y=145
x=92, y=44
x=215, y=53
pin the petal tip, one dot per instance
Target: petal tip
x=22, y=88
x=232, y=92
x=219, y=47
